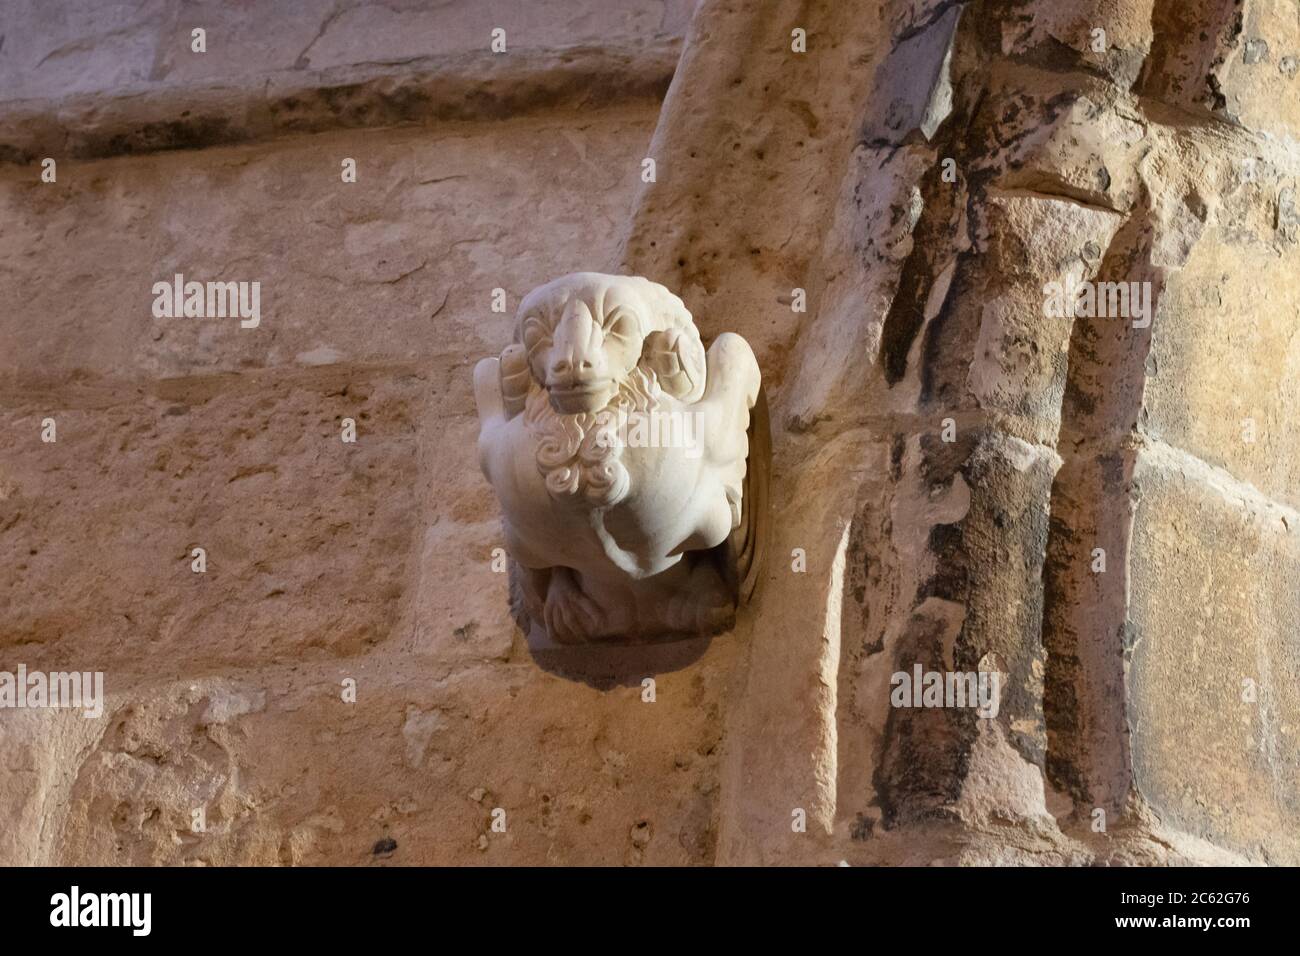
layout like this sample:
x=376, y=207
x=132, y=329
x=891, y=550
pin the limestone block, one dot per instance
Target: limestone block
x=911, y=92
x=970, y=519
x=306, y=538
x=1225, y=359
x=1046, y=33
x=397, y=266
x=1213, y=662
x=1239, y=61
x=1020, y=355
x=287, y=771
x=94, y=47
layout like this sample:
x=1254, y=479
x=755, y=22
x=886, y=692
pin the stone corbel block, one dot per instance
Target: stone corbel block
x=630, y=463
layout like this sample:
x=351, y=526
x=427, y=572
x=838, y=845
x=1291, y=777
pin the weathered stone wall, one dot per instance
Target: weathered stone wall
x=326, y=561
x=947, y=457
x=966, y=156
x=110, y=48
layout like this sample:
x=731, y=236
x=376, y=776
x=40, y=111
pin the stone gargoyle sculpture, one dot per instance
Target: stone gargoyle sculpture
x=631, y=465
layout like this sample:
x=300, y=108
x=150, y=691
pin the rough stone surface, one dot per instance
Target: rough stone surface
x=365, y=272
x=880, y=217
x=86, y=46
x=326, y=560
x=1221, y=762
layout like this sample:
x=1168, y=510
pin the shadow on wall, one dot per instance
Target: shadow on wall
x=605, y=668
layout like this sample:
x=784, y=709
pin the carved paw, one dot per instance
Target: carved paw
x=571, y=617
x=690, y=613
x=527, y=594
x=677, y=358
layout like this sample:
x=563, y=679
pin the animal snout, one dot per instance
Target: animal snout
x=574, y=371
x=577, y=357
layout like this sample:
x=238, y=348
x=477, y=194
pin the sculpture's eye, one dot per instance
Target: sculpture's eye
x=621, y=324
x=536, y=335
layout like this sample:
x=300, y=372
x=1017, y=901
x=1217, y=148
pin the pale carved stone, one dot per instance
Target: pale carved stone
x=631, y=464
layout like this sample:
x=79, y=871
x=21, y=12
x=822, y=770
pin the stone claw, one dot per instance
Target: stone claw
x=571, y=617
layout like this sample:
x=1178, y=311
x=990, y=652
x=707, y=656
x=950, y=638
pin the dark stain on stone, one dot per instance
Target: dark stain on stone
x=927, y=751
x=951, y=581
x=1218, y=101
x=12, y=154
x=861, y=827
x=896, y=449
x=195, y=133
